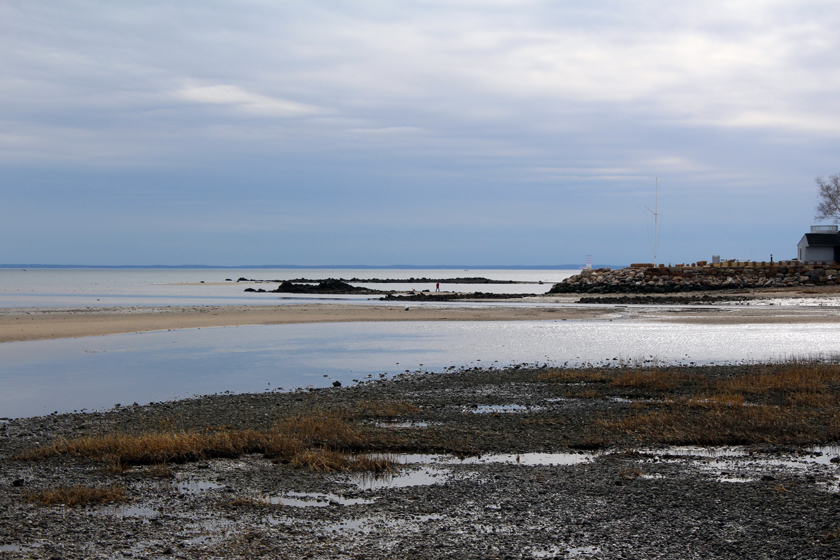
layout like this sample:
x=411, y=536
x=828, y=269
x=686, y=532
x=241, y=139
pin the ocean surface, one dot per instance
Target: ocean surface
x=91, y=287
x=41, y=377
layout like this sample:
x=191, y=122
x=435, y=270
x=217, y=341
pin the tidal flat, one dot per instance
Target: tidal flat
x=523, y=462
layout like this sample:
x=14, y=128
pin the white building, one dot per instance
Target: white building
x=822, y=244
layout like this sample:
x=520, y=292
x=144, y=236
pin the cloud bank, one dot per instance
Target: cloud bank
x=457, y=132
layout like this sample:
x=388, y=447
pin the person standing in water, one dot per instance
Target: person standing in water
x=437, y=287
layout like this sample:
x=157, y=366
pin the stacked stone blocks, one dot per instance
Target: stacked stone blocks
x=701, y=276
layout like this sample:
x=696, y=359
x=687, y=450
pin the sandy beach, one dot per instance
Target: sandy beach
x=21, y=324
x=43, y=324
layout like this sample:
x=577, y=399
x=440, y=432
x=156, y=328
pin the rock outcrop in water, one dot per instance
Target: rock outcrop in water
x=328, y=286
x=645, y=278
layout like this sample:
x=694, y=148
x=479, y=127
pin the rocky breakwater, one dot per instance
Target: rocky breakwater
x=700, y=276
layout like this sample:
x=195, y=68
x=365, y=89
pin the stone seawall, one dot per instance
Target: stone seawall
x=645, y=278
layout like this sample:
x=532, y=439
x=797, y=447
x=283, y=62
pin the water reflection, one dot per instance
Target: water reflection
x=40, y=377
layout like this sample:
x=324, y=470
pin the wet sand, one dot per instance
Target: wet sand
x=42, y=324
x=18, y=324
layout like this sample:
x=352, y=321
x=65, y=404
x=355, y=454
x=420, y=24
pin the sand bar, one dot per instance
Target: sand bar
x=19, y=324
x=42, y=324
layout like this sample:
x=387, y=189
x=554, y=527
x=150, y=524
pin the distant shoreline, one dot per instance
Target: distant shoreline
x=312, y=267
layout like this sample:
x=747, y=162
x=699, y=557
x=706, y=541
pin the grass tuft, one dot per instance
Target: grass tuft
x=572, y=375
x=704, y=400
x=321, y=441
x=715, y=426
x=78, y=496
x=801, y=377
x=326, y=460
x=656, y=379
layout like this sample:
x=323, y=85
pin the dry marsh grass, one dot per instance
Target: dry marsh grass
x=704, y=400
x=386, y=408
x=78, y=496
x=794, y=377
x=572, y=375
x=789, y=403
x=153, y=448
x=329, y=460
x=720, y=426
x=656, y=379
x=321, y=441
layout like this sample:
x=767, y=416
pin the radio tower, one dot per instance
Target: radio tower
x=655, y=221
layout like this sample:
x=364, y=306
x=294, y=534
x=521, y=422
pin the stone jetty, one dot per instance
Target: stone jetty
x=700, y=276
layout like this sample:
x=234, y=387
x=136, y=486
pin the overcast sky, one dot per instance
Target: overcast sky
x=452, y=132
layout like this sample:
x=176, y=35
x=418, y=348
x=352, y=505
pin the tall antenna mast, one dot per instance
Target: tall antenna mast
x=655, y=213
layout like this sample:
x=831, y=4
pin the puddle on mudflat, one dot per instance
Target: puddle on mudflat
x=736, y=465
x=547, y=459
x=424, y=476
x=583, y=551
x=825, y=455
x=10, y=548
x=499, y=408
x=192, y=486
x=734, y=479
x=820, y=455
x=302, y=499
x=404, y=424
x=433, y=469
x=138, y=512
x=690, y=451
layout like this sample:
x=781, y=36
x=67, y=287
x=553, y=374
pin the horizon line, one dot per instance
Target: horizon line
x=567, y=266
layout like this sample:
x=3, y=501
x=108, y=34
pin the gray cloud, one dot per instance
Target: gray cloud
x=470, y=113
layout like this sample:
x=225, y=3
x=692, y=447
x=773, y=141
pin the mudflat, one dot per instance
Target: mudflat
x=484, y=463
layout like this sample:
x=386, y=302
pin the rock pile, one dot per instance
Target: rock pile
x=645, y=278
x=328, y=286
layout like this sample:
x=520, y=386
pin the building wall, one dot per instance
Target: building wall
x=810, y=254
x=800, y=248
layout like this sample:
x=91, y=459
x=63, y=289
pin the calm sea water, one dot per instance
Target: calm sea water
x=71, y=374
x=97, y=372
x=160, y=287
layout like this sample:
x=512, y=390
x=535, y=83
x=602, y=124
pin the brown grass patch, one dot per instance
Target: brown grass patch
x=572, y=375
x=320, y=440
x=78, y=496
x=656, y=379
x=154, y=448
x=718, y=426
x=386, y=408
x=629, y=474
x=329, y=460
x=794, y=377
x=158, y=471
x=704, y=400
x=810, y=400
